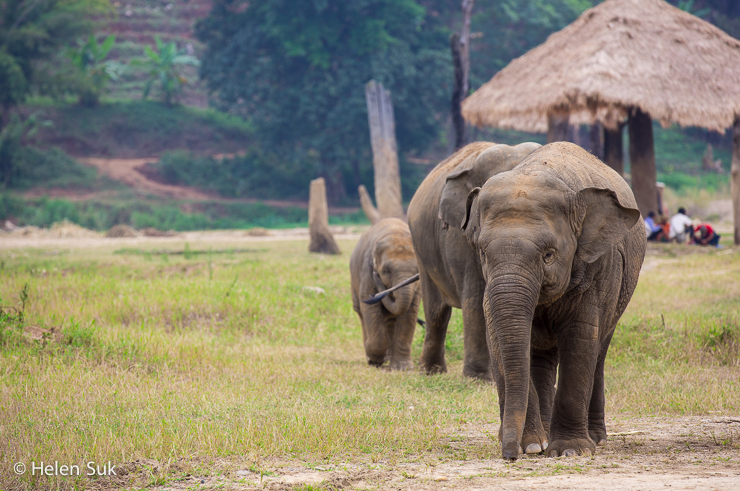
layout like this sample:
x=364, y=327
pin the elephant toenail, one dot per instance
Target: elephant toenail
x=569, y=452
x=587, y=452
x=553, y=454
x=602, y=441
x=544, y=446
x=534, y=448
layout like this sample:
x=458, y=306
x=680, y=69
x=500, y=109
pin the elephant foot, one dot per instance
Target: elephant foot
x=477, y=374
x=571, y=447
x=597, y=431
x=433, y=367
x=402, y=365
x=534, y=441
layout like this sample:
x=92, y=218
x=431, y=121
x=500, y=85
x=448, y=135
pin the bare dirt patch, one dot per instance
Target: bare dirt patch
x=651, y=453
x=127, y=171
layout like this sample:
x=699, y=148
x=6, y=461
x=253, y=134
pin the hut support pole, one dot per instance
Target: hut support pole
x=642, y=160
x=735, y=178
x=557, y=128
x=614, y=149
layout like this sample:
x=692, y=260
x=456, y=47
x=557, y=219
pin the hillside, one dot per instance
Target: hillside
x=136, y=23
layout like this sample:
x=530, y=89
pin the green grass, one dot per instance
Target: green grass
x=139, y=129
x=126, y=208
x=187, y=358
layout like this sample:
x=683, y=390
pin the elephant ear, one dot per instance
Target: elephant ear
x=476, y=170
x=456, y=189
x=601, y=222
x=471, y=222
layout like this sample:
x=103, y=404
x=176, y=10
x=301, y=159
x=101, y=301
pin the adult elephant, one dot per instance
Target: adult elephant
x=544, y=258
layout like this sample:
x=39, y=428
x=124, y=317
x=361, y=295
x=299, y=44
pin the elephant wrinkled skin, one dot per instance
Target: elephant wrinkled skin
x=384, y=257
x=543, y=260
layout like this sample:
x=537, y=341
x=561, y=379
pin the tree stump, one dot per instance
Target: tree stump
x=385, y=152
x=318, y=220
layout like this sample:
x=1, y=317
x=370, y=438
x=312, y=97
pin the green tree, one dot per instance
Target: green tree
x=164, y=66
x=90, y=60
x=34, y=31
x=297, y=69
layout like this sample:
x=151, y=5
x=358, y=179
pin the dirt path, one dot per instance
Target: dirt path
x=126, y=171
x=129, y=172
x=656, y=454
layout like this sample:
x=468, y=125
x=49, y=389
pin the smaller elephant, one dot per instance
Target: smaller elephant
x=384, y=257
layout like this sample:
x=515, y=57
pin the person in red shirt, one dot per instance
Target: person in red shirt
x=704, y=234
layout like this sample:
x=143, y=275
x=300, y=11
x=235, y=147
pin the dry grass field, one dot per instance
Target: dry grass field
x=217, y=361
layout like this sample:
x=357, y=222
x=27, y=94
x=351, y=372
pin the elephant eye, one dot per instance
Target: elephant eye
x=549, y=256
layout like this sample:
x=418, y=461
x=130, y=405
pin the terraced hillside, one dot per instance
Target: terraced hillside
x=136, y=23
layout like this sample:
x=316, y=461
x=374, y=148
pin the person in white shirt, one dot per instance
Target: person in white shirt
x=680, y=225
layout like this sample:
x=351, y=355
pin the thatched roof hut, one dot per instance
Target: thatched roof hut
x=618, y=55
x=623, y=59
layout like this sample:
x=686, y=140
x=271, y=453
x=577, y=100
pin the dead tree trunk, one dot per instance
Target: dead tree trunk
x=385, y=153
x=558, y=128
x=614, y=149
x=642, y=161
x=367, y=205
x=318, y=220
x=735, y=179
x=460, y=45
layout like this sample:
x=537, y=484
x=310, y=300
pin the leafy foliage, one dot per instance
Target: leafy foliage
x=297, y=69
x=164, y=67
x=90, y=59
x=32, y=31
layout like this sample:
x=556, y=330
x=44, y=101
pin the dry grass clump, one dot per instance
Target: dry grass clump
x=121, y=230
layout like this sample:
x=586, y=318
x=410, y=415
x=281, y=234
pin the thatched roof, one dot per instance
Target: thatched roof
x=619, y=54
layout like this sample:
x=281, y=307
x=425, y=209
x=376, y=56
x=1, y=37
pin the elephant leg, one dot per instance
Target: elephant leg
x=596, y=416
x=437, y=314
x=542, y=372
x=578, y=348
x=374, y=333
x=403, y=337
x=477, y=361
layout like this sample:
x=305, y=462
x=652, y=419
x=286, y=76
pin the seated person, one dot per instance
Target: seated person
x=681, y=227
x=704, y=234
x=654, y=231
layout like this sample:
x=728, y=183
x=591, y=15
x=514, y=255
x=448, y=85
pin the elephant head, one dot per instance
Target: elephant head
x=393, y=262
x=535, y=230
x=474, y=172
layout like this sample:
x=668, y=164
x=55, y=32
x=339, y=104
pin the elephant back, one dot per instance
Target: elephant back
x=446, y=188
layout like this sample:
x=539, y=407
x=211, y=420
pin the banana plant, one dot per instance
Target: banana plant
x=90, y=59
x=164, y=66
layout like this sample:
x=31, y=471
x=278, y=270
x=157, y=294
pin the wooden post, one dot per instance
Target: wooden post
x=596, y=137
x=367, y=205
x=614, y=149
x=318, y=220
x=557, y=128
x=735, y=179
x=642, y=161
x=385, y=153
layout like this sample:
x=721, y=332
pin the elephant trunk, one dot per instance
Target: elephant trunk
x=510, y=300
x=399, y=301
